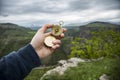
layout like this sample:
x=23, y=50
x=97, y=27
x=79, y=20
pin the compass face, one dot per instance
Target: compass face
x=56, y=30
x=48, y=41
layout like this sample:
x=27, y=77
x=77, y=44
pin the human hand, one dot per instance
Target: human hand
x=38, y=42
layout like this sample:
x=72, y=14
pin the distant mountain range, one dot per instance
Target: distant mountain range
x=12, y=26
x=85, y=30
x=92, y=24
x=80, y=24
x=101, y=24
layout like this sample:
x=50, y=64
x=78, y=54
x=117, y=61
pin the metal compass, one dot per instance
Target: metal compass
x=56, y=31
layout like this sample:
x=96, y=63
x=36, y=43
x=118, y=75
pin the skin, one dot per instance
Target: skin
x=38, y=41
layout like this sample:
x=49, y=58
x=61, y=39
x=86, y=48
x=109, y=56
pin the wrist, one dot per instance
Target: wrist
x=38, y=51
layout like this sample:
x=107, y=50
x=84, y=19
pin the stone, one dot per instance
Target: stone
x=104, y=77
x=65, y=64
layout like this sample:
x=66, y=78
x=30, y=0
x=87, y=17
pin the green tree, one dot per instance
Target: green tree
x=102, y=43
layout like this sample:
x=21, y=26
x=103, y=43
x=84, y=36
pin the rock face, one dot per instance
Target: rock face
x=63, y=66
x=104, y=77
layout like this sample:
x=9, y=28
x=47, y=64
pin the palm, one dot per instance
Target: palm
x=38, y=42
x=46, y=50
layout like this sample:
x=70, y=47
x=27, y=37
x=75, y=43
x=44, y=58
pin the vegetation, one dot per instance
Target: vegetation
x=36, y=74
x=94, y=40
x=13, y=37
x=84, y=71
x=101, y=44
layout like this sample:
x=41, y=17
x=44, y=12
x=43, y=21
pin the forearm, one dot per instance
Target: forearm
x=18, y=63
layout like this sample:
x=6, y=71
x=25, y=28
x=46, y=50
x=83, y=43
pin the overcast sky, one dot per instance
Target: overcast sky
x=39, y=12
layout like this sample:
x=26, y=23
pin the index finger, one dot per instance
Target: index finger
x=45, y=27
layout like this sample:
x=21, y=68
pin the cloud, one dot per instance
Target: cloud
x=30, y=12
x=33, y=6
x=79, y=5
x=108, y=4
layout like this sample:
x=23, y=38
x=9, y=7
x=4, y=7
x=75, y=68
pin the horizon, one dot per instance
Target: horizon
x=66, y=26
x=34, y=13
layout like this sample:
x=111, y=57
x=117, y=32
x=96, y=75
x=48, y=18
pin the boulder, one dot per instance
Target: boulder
x=104, y=77
x=63, y=66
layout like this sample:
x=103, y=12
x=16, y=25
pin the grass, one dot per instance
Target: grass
x=32, y=32
x=36, y=74
x=92, y=70
x=84, y=71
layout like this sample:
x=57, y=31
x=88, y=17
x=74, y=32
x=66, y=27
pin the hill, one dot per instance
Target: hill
x=92, y=70
x=13, y=37
x=101, y=24
x=34, y=28
x=84, y=31
x=9, y=28
x=92, y=40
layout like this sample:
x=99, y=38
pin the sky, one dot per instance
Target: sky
x=40, y=12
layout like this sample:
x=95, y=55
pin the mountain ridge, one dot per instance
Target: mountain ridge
x=12, y=26
x=99, y=24
x=90, y=24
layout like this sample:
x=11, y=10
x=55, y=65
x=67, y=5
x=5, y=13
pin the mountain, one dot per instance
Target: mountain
x=95, y=23
x=77, y=25
x=12, y=26
x=101, y=24
x=10, y=29
x=85, y=30
x=13, y=37
x=35, y=27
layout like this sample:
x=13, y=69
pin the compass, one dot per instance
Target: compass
x=56, y=32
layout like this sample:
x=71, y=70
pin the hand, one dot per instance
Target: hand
x=38, y=42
